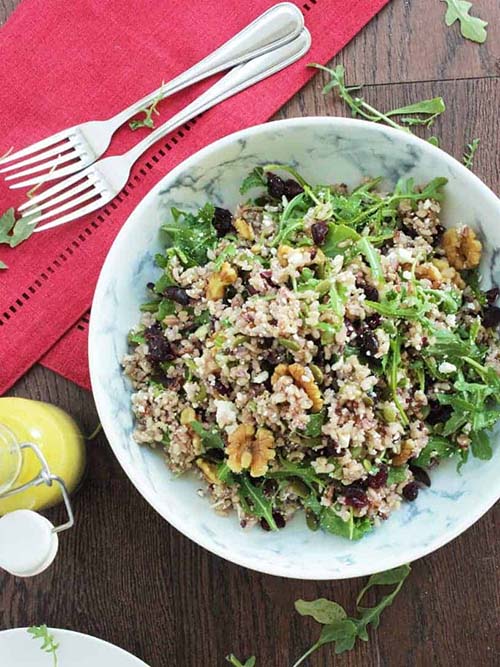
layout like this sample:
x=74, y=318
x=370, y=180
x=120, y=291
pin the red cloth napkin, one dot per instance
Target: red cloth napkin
x=67, y=62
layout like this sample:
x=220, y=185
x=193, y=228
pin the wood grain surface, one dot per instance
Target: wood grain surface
x=125, y=575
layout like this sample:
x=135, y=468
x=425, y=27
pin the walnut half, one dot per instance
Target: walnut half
x=304, y=379
x=462, y=248
x=219, y=280
x=247, y=449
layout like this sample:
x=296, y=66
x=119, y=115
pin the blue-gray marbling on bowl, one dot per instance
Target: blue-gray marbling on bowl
x=324, y=150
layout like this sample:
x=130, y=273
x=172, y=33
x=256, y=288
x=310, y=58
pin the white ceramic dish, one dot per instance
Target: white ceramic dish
x=19, y=649
x=325, y=150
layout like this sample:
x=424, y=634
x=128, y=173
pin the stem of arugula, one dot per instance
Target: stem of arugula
x=381, y=116
x=313, y=648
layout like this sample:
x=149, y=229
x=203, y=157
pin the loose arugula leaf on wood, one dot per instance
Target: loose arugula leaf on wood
x=471, y=27
x=342, y=631
x=470, y=153
x=322, y=610
x=419, y=113
x=49, y=645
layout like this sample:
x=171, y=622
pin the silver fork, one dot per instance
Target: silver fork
x=73, y=149
x=97, y=185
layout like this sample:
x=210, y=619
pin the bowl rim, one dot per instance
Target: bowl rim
x=391, y=560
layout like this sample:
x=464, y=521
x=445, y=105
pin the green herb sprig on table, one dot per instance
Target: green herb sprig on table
x=470, y=153
x=148, y=111
x=12, y=231
x=340, y=629
x=49, y=644
x=419, y=113
x=237, y=663
x=471, y=27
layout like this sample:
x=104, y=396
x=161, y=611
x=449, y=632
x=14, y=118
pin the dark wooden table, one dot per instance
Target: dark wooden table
x=125, y=575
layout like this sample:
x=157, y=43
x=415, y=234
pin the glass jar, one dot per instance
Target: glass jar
x=42, y=460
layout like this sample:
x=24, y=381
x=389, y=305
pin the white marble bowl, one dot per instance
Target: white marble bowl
x=325, y=150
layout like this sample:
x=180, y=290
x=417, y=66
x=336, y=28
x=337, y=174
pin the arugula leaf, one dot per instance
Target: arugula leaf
x=397, y=474
x=343, y=631
x=7, y=222
x=481, y=446
x=322, y=610
x=337, y=235
x=293, y=172
x=470, y=153
x=386, y=578
x=471, y=27
x=49, y=645
x=437, y=448
x=237, y=663
x=254, y=502
x=315, y=424
x=12, y=231
x=192, y=235
x=373, y=259
x=210, y=438
x=354, y=529
x=255, y=179
x=430, y=108
x=148, y=111
x=371, y=615
x=305, y=472
x=393, y=367
x=419, y=113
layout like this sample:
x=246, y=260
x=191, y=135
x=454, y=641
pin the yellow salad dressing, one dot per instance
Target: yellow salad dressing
x=58, y=438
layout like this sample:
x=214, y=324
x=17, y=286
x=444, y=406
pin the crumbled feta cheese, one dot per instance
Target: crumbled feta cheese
x=446, y=367
x=226, y=413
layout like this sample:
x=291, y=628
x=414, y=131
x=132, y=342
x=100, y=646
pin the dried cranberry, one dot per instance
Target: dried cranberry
x=158, y=346
x=438, y=414
x=371, y=292
x=367, y=343
x=279, y=520
x=410, y=491
x=275, y=186
x=491, y=317
x=319, y=232
x=222, y=221
x=373, y=322
x=379, y=479
x=492, y=295
x=251, y=290
x=221, y=388
x=355, y=496
x=420, y=475
x=229, y=293
x=177, y=294
x=292, y=188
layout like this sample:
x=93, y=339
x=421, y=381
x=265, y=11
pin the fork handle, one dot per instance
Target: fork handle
x=233, y=82
x=275, y=27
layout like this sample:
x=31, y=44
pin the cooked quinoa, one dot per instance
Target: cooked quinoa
x=317, y=349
